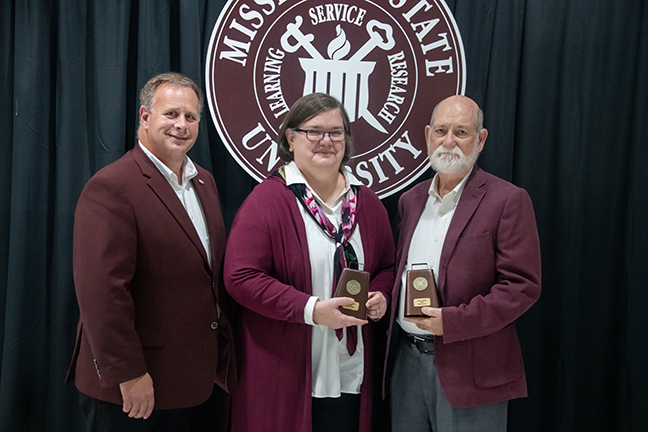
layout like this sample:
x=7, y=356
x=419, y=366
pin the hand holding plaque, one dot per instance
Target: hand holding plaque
x=354, y=284
x=420, y=291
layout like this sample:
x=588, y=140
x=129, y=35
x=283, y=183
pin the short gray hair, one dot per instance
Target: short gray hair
x=172, y=78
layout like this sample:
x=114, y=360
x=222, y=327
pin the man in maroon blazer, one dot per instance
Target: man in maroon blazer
x=154, y=334
x=456, y=367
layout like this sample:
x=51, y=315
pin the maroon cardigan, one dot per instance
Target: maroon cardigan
x=489, y=275
x=267, y=270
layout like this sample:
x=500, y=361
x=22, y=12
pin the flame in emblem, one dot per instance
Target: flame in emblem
x=340, y=46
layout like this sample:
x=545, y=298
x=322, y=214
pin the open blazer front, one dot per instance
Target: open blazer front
x=489, y=275
x=267, y=270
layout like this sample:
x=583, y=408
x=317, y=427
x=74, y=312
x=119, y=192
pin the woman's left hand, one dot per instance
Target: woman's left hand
x=376, y=305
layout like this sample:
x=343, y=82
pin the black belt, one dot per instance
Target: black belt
x=425, y=344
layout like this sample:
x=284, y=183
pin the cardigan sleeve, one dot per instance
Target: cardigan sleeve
x=264, y=266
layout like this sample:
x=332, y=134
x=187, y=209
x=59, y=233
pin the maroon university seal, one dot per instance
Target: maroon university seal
x=389, y=62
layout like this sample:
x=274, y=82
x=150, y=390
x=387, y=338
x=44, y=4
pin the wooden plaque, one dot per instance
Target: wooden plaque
x=354, y=284
x=420, y=291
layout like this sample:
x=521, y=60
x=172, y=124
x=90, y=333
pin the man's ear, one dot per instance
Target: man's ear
x=144, y=116
x=483, y=134
x=427, y=138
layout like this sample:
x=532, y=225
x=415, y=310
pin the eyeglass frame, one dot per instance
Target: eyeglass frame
x=324, y=133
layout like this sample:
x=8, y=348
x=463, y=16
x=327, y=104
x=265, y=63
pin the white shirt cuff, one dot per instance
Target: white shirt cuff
x=308, y=310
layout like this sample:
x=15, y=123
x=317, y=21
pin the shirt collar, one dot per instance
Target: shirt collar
x=294, y=176
x=451, y=199
x=189, y=170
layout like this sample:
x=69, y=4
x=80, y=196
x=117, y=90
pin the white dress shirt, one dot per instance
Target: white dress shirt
x=186, y=194
x=334, y=371
x=427, y=240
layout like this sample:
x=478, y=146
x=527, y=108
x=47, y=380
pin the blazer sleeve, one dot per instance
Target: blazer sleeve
x=104, y=258
x=516, y=255
x=264, y=258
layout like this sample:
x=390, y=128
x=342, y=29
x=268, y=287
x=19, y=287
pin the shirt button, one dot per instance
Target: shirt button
x=436, y=240
x=214, y=325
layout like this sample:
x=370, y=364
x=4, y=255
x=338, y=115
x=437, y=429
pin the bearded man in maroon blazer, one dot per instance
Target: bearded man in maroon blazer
x=456, y=367
x=154, y=339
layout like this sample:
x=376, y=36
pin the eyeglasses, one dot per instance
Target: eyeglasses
x=317, y=135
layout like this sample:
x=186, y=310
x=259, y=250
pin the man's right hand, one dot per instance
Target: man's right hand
x=138, y=396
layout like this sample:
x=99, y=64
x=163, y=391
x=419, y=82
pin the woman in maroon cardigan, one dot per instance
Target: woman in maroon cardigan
x=305, y=365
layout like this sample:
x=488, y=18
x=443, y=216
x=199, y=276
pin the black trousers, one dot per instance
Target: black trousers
x=336, y=414
x=210, y=416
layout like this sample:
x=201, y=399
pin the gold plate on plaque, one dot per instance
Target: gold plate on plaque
x=355, y=306
x=420, y=283
x=353, y=287
x=420, y=302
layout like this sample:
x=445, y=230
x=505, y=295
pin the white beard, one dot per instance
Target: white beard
x=453, y=161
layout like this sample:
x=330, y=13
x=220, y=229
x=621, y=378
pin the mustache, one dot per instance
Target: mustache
x=442, y=151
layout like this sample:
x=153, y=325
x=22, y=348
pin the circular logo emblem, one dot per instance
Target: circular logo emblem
x=420, y=283
x=389, y=62
x=353, y=287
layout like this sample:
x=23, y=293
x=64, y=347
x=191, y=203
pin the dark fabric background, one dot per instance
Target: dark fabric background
x=564, y=87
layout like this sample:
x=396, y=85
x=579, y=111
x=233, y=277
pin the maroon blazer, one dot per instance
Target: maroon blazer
x=268, y=271
x=147, y=295
x=489, y=275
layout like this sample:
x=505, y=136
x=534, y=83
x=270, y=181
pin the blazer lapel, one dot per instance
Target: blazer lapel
x=160, y=186
x=471, y=196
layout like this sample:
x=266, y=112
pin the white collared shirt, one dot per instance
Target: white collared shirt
x=428, y=238
x=186, y=194
x=334, y=371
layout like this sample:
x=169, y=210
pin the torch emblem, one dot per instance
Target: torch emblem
x=346, y=80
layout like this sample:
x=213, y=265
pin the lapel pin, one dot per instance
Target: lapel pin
x=200, y=181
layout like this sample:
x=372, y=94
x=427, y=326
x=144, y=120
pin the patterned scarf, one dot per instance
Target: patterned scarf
x=344, y=255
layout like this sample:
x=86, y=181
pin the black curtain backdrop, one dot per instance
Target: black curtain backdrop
x=564, y=87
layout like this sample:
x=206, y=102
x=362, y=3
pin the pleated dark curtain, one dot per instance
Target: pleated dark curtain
x=564, y=87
